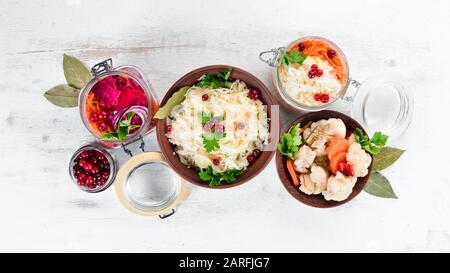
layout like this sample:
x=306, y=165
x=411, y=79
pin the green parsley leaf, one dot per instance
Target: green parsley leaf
x=217, y=80
x=109, y=136
x=293, y=57
x=123, y=130
x=215, y=179
x=206, y=117
x=379, y=139
x=290, y=142
x=211, y=141
x=373, y=145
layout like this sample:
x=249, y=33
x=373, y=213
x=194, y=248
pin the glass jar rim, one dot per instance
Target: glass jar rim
x=302, y=106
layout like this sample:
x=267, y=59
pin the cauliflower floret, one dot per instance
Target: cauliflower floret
x=339, y=187
x=359, y=159
x=305, y=157
x=306, y=185
x=336, y=127
x=314, y=137
x=351, y=139
x=319, y=176
x=323, y=130
x=320, y=151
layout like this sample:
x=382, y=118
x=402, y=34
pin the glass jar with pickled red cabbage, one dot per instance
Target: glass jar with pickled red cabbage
x=117, y=106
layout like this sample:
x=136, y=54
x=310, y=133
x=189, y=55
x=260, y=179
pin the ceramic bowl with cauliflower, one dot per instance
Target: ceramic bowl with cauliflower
x=319, y=160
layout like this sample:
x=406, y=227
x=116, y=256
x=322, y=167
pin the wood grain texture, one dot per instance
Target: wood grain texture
x=43, y=211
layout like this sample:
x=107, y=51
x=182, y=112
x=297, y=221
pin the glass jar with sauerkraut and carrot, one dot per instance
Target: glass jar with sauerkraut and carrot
x=310, y=74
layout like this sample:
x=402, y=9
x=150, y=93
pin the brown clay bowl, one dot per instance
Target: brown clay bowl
x=318, y=201
x=167, y=148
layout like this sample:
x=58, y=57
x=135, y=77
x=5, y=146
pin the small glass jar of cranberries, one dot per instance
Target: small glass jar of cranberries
x=92, y=168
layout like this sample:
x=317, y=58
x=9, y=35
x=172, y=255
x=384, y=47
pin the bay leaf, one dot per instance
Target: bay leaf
x=174, y=100
x=76, y=73
x=379, y=186
x=386, y=157
x=63, y=95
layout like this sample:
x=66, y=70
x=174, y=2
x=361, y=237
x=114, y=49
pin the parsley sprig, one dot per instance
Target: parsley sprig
x=290, y=142
x=217, y=80
x=373, y=145
x=215, y=179
x=293, y=57
x=123, y=130
x=211, y=140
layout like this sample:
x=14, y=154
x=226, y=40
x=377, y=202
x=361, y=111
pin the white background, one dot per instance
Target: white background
x=41, y=210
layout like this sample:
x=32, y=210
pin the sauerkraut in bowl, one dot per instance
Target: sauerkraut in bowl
x=325, y=158
x=218, y=127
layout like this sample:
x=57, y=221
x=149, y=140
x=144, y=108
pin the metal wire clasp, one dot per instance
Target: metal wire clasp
x=101, y=67
x=277, y=56
x=128, y=151
x=356, y=84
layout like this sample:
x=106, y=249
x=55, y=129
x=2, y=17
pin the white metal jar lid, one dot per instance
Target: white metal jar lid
x=146, y=185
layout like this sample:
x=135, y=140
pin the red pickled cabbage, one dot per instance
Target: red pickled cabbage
x=107, y=91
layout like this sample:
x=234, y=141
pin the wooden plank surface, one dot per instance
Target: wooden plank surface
x=42, y=210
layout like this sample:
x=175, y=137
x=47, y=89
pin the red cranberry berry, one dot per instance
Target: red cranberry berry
x=105, y=175
x=319, y=72
x=89, y=180
x=317, y=97
x=324, y=98
x=253, y=94
x=83, y=162
x=102, y=115
x=94, y=169
x=93, y=117
x=216, y=161
x=101, y=182
x=331, y=53
x=88, y=166
x=256, y=153
x=102, y=127
x=84, y=154
x=205, y=97
x=301, y=46
x=314, y=67
x=100, y=157
x=251, y=159
x=311, y=74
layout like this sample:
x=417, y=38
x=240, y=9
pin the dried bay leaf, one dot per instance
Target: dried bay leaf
x=386, y=157
x=175, y=99
x=76, y=73
x=379, y=186
x=63, y=95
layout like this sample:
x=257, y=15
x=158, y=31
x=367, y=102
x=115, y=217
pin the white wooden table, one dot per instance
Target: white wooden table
x=41, y=210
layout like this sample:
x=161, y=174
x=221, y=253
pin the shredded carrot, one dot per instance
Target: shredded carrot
x=292, y=172
x=319, y=48
x=92, y=107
